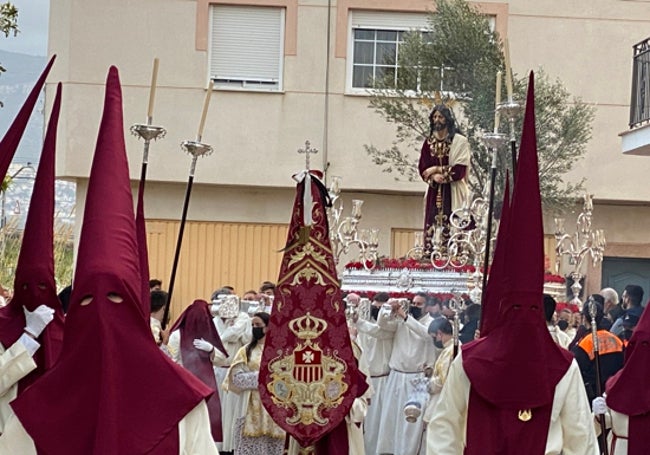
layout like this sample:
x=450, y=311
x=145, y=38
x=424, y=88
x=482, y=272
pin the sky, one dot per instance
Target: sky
x=33, y=16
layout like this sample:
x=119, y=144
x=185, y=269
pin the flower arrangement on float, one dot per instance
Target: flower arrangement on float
x=406, y=263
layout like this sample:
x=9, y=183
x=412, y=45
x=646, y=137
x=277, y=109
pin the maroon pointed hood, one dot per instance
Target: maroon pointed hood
x=516, y=367
x=196, y=322
x=128, y=398
x=12, y=137
x=494, y=288
x=34, y=282
x=518, y=354
x=12, y=318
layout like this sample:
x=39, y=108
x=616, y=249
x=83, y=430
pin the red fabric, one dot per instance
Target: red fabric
x=12, y=318
x=196, y=322
x=626, y=391
x=518, y=355
x=495, y=287
x=12, y=137
x=34, y=283
x=112, y=391
x=489, y=422
x=308, y=376
x=638, y=428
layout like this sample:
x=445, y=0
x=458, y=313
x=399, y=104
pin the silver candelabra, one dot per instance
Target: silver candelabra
x=345, y=232
x=585, y=241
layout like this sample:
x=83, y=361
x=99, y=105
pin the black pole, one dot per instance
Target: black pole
x=177, y=254
x=488, y=233
x=599, y=392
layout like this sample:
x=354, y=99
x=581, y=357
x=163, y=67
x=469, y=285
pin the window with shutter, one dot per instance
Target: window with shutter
x=246, y=47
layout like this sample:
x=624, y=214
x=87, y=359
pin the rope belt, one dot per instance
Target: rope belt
x=380, y=375
x=407, y=372
x=616, y=437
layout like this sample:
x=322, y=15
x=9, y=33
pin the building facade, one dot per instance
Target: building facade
x=287, y=71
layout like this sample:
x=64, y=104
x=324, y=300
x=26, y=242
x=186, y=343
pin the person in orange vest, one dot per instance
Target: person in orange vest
x=610, y=352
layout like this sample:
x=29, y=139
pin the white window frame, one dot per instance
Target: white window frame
x=378, y=20
x=247, y=61
x=382, y=20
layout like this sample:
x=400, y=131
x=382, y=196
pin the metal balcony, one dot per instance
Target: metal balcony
x=640, y=103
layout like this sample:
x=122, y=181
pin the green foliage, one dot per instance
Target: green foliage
x=461, y=43
x=8, y=24
x=10, y=241
x=8, y=19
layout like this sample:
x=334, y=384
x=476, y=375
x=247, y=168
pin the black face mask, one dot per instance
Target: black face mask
x=374, y=312
x=415, y=311
x=258, y=333
x=438, y=344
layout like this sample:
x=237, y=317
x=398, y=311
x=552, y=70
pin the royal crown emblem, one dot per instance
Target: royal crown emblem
x=307, y=380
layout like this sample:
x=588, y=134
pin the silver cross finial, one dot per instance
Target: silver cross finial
x=307, y=151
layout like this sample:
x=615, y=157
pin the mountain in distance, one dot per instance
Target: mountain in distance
x=16, y=82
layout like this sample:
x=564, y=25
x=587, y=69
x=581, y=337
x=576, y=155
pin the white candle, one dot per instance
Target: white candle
x=497, y=102
x=152, y=89
x=508, y=72
x=204, y=114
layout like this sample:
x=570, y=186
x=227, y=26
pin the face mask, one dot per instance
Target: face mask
x=258, y=333
x=438, y=344
x=374, y=312
x=416, y=312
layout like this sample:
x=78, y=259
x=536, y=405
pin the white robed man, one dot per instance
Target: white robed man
x=234, y=328
x=514, y=391
x=627, y=401
x=441, y=331
x=412, y=350
x=377, y=345
x=125, y=396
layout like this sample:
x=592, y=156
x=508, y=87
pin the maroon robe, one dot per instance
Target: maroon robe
x=458, y=172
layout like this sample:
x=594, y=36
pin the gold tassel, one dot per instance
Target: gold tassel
x=303, y=235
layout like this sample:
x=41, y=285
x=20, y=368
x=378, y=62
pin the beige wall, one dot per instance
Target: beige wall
x=255, y=136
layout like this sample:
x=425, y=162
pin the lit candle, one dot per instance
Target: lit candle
x=508, y=72
x=497, y=102
x=152, y=89
x=204, y=114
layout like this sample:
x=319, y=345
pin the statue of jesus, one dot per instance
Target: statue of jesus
x=444, y=165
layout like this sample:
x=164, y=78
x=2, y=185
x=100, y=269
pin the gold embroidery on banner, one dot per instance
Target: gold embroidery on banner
x=307, y=380
x=525, y=415
x=307, y=250
x=307, y=273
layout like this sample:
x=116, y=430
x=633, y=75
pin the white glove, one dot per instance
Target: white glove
x=599, y=406
x=202, y=345
x=37, y=320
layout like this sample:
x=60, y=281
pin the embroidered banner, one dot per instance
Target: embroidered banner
x=308, y=376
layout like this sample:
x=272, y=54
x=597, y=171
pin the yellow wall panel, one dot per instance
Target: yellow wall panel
x=241, y=255
x=402, y=240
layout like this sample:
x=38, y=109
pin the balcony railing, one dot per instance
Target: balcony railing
x=640, y=104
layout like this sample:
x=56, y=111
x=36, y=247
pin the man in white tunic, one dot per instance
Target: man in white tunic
x=412, y=350
x=377, y=345
x=234, y=328
x=514, y=391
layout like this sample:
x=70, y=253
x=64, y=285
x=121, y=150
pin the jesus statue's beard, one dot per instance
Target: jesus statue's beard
x=437, y=126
